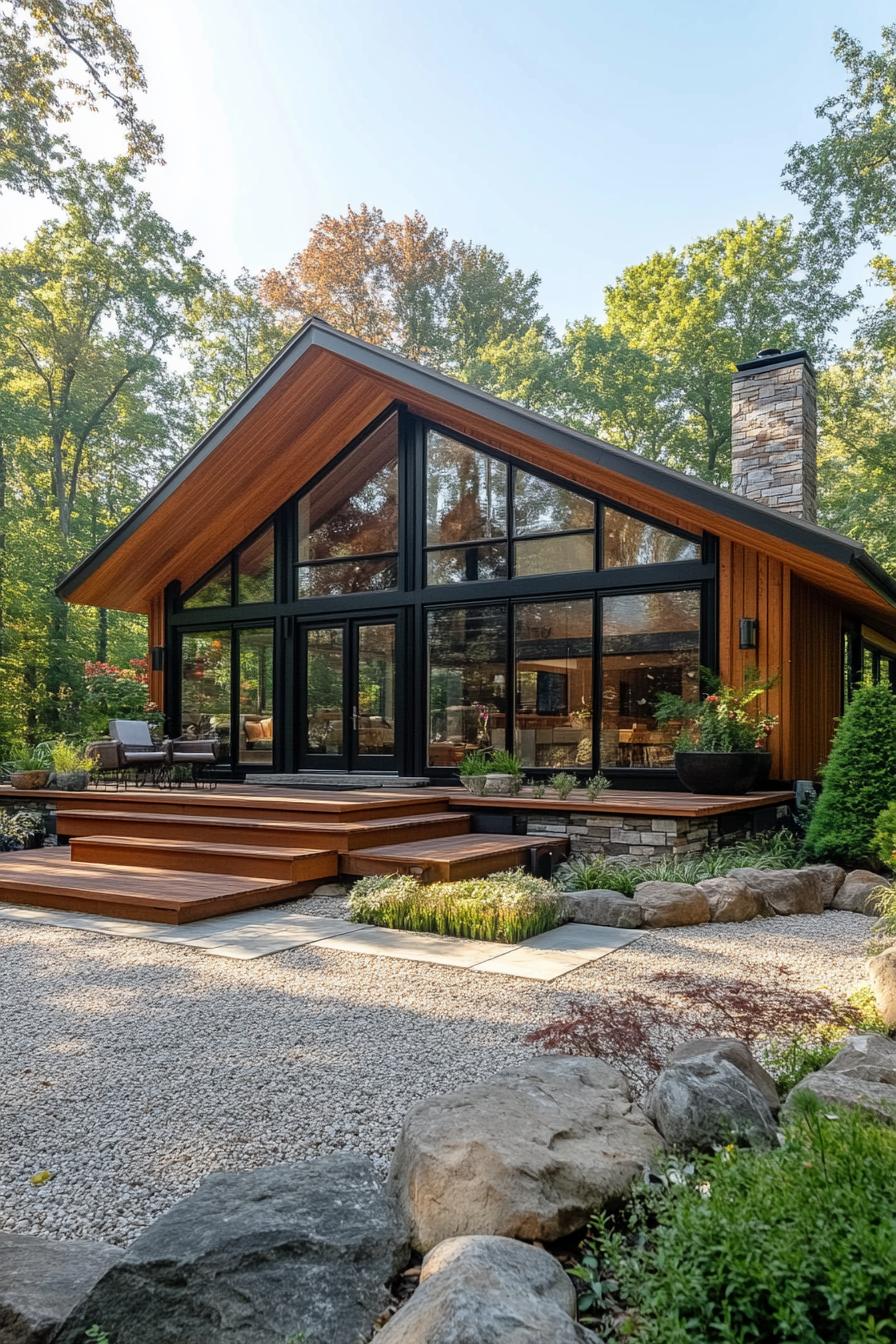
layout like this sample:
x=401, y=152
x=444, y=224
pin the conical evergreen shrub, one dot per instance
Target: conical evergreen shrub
x=858, y=780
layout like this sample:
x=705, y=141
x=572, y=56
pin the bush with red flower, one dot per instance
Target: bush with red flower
x=112, y=692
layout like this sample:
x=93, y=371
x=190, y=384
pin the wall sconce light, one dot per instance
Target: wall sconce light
x=749, y=632
x=157, y=657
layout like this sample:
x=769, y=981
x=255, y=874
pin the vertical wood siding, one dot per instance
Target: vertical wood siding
x=156, y=635
x=754, y=584
x=816, y=701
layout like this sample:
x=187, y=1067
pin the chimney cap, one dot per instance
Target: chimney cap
x=767, y=359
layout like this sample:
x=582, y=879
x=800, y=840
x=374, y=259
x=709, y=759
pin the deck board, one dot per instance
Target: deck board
x=47, y=877
x=451, y=857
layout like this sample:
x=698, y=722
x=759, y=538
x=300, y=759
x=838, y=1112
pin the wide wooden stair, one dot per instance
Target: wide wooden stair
x=177, y=857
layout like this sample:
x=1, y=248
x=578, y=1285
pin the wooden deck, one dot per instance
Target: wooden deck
x=174, y=856
x=48, y=877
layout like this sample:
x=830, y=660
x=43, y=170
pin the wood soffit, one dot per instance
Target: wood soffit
x=241, y=472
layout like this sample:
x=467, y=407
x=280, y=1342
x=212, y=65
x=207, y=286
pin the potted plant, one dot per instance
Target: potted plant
x=505, y=773
x=720, y=748
x=473, y=771
x=30, y=769
x=71, y=766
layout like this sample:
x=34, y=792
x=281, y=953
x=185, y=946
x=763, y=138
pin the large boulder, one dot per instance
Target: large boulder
x=671, y=904
x=531, y=1153
x=785, y=891
x=599, y=906
x=699, y=1101
x=857, y=892
x=488, y=1290
x=736, y=1053
x=830, y=879
x=882, y=970
x=730, y=901
x=305, y=1249
x=862, y=1075
x=42, y=1281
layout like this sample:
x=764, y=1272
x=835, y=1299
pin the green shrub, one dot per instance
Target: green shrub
x=563, y=783
x=858, y=780
x=597, y=785
x=504, y=908
x=68, y=758
x=475, y=763
x=585, y=873
x=884, y=843
x=796, y=1244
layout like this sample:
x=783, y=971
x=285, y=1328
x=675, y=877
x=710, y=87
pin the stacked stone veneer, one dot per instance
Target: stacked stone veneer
x=639, y=837
x=774, y=433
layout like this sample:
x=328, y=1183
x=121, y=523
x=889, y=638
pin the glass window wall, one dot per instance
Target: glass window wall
x=554, y=678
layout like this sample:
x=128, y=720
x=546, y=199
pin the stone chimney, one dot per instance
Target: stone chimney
x=773, y=432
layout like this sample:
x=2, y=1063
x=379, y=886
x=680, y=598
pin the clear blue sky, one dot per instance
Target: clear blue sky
x=576, y=137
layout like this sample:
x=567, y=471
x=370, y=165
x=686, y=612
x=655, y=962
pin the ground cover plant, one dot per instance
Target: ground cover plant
x=505, y=908
x=795, y=1244
x=784, y=1024
x=858, y=780
x=589, y=872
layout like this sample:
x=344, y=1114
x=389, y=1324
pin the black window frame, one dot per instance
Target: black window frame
x=414, y=596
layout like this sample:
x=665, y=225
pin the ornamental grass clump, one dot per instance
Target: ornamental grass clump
x=504, y=908
x=858, y=780
x=794, y=1244
x=589, y=872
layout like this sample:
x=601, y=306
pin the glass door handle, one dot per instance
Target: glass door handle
x=356, y=718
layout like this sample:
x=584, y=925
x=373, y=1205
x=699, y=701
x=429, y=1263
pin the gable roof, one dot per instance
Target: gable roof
x=319, y=392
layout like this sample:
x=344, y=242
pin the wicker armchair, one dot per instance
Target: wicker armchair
x=200, y=754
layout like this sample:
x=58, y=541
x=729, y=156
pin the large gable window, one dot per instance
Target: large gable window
x=482, y=517
x=246, y=576
x=630, y=541
x=348, y=521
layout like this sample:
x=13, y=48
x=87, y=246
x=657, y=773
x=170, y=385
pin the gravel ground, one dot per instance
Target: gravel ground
x=131, y=1068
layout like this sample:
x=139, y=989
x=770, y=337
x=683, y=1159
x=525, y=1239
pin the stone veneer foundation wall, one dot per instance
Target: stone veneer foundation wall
x=641, y=837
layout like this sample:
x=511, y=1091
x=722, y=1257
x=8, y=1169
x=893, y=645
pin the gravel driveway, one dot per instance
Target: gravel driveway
x=131, y=1068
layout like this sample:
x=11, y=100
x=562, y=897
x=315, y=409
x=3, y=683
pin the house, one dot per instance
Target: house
x=367, y=567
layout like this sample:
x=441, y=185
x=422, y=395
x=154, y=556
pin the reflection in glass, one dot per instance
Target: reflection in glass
x=650, y=643
x=215, y=592
x=352, y=511
x=348, y=576
x=630, y=541
x=376, y=690
x=256, y=696
x=466, y=564
x=467, y=661
x=324, y=692
x=554, y=555
x=553, y=655
x=205, y=687
x=541, y=506
x=255, y=569
x=466, y=492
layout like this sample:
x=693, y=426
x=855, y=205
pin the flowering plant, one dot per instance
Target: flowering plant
x=727, y=719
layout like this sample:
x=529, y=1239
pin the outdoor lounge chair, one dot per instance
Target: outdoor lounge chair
x=107, y=763
x=137, y=750
x=200, y=754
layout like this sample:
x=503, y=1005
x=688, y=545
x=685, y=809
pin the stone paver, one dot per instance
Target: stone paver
x=259, y=933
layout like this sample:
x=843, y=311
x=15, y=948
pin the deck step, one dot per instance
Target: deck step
x=283, y=865
x=262, y=806
x=48, y=878
x=328, y=835
x=451, y=858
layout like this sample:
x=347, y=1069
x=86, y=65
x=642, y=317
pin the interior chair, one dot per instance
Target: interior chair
x=138, y=752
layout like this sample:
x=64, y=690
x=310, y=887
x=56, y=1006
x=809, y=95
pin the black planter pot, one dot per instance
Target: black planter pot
x=717, y=771
x=763, y=774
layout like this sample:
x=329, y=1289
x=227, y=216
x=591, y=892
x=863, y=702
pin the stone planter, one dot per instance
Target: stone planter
x=500, y=784
x=474, y=784
x=71, y=780
x=29, y=779
x=717, y=771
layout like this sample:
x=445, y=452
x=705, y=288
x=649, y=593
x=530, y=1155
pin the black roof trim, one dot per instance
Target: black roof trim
x=780, y=360
x=316, y=333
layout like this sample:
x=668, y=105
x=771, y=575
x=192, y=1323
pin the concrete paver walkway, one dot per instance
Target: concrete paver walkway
x=258, y=933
